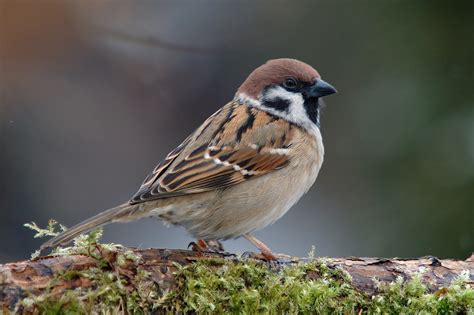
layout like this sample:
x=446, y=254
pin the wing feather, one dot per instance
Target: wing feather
x=201, y=163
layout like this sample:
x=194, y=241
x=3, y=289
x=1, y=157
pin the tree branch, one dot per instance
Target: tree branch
x=27, y=286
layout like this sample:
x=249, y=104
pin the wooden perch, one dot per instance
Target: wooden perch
x=33, y=278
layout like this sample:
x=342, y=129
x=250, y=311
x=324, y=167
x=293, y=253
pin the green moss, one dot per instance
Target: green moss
x=251, y=287
x=107, y=291
x=235, y=286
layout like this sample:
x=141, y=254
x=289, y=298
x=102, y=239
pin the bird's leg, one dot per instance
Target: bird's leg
x=264, y=249
x=202, y=245
x=198, y=246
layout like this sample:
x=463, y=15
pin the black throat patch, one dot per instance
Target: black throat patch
x=311, y=105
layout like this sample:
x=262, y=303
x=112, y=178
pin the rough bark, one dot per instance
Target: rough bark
x=33, y=277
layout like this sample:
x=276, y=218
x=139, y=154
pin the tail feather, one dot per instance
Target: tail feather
x=103, y=218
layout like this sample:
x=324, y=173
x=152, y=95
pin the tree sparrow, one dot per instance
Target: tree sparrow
x=242, y=169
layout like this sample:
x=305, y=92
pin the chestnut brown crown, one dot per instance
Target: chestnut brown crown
x=275, y=72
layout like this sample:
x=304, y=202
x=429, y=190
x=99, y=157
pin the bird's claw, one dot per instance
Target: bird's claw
x=194, y=247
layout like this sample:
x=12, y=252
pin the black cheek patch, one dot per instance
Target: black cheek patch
x=278, y=104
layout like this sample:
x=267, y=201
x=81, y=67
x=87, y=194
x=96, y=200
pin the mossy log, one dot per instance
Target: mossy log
x=140, y=280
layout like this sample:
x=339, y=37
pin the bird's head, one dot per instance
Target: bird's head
x=287, y=88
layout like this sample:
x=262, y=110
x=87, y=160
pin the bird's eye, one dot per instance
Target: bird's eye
x=290, y=83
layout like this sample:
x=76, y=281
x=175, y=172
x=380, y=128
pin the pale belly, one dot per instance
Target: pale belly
x=246, y=208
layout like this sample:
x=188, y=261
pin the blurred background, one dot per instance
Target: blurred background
x=94, y=94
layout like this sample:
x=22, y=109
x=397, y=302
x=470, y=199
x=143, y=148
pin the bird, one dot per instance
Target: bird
x=242, y=169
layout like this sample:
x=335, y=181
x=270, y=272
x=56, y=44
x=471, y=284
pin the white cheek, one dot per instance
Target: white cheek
x=296, y=112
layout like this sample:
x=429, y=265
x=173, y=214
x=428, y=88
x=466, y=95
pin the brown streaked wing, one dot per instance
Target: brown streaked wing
x=210, y=165
x=211, y=170
x=160, y=169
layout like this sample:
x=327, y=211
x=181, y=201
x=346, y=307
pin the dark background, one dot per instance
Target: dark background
x=94, y=94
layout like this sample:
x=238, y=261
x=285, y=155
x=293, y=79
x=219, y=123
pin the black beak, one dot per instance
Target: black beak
x=321, y=88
